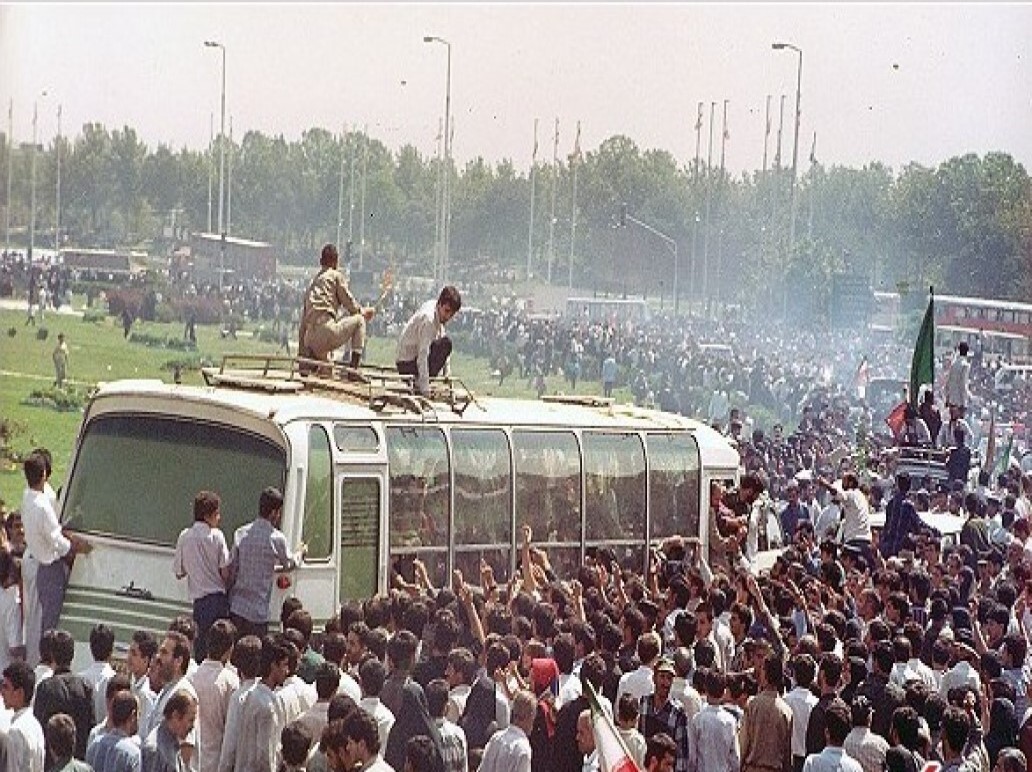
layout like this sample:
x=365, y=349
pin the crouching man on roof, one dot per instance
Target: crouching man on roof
x=423, y=348
x=331, y=317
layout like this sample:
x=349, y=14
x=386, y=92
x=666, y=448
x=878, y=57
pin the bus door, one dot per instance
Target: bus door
x=362, y=515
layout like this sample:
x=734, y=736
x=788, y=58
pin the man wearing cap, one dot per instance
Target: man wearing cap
x=323, y=329
x=661, y=714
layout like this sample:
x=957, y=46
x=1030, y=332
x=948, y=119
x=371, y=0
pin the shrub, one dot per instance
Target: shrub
x=94, y=316
x=68, y=399
x=42, y=333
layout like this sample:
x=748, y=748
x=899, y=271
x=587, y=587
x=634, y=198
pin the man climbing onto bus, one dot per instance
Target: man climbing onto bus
x=323, y=328
x=423, y=348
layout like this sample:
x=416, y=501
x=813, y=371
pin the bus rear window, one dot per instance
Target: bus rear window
x=136, y=476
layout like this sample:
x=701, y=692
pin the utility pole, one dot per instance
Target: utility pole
x=340, y=190
x=533, y=180
x=229, y=182
x=57, y=203
x=361, y=224
x=555, y=184
x=10, y=173
x=706, y=230
x=32, y=201
x=574, y=162
x=211, y=162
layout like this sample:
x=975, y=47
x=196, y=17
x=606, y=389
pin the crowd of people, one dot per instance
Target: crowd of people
x=872, y=642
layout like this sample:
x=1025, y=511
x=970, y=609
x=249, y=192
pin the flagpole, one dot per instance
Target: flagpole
x=706, y=230
x=766, y=136
x=724, y=136
x=533, y=181
x=438, y=192
x=813, y=188
x=574, y=162
x=229, y=182
x=10, y=171
x=695, y=191
x=555, y=184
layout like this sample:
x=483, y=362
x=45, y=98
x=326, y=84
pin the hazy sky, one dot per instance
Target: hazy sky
x=881, y=82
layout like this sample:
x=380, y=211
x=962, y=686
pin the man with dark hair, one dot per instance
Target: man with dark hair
x=423, y=348
x=713, y=732
x=836, y=728
x=168, y=676
x=829, y=678
x=259, y=550
x=766, y=731
x=247, y=659
x=802, y=701
x=102, y=646
x=901, y=519
x=371, y=675
x=214, y=681
x=861, y=743
x=660, y=753
x=453, y=739
x=295, y=741
x=143, y=647
x=401, y=654
x=261, y=716
x=167, y=747
x=60, y=740
x=883, y=695
x=202, y=558
x=117, y=750
x=327, y=679
x=49, y=550
x=323, y=328
x=300, y=619
x=25, y=744
x=66, y=692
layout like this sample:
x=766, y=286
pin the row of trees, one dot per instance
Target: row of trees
x=963, y=226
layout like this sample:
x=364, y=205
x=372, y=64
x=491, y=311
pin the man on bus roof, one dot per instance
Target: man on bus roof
x=423, y=348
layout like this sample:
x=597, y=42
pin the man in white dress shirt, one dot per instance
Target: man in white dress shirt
x=509, y=750
x=214, y=682
x=26, y=746
x=423, y=348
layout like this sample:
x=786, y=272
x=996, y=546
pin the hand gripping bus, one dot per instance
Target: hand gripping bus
x=373, y=477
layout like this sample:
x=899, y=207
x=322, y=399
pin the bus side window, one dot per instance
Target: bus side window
x=674, y=496
x=317, y=528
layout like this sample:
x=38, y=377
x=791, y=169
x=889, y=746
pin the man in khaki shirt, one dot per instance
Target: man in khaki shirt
x=766, y=732
x=323, y=328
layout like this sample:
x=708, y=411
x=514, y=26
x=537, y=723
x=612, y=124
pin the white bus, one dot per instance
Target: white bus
x=372, y=477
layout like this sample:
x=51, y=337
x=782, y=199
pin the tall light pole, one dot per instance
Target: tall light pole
x=446, y=187
x=32, y=173
x=10, y=171
x=222, y=162
x=670, y=242
x=57, y=206
x=795, y=141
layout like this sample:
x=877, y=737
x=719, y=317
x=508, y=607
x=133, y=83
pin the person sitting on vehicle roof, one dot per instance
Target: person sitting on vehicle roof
x=322, y=330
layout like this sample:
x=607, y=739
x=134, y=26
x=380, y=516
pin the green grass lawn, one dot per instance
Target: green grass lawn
x=98, y=352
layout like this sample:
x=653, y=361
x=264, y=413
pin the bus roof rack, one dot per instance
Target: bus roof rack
x=380, y=387
x=585, y=400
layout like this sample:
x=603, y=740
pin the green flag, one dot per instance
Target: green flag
x=922, y=367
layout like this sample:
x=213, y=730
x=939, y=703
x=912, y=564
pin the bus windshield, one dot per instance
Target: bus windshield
x=135, y=476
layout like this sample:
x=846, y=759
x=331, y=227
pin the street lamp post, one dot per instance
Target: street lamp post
x=670, y=243
x=222, y=162
x=795, y=141
x=32, y=173
x=446, y=187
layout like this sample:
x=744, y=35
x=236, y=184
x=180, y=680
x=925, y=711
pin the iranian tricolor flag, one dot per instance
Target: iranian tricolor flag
x=612, y=753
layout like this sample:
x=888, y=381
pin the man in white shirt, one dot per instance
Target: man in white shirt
x=833, y=758
x=202, y=558
x=509, y=750
x=372, y=673
x=261, y=718
x=958, y=394
x=25, y=744
x=639, y=682
x=214, y=681
x=801, y=700
x=247, y=658
x=102, y=646
x=713, y=732
x=423, y=349
x=44, y=567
